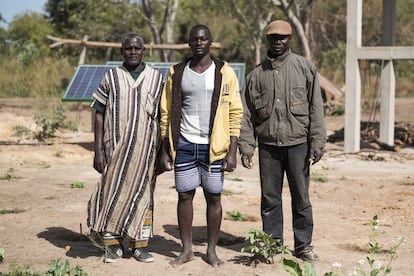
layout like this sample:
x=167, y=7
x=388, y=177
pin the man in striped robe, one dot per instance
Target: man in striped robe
x=126, y=141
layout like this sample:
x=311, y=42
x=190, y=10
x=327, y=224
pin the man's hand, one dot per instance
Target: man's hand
x=99, y=161
x=315, y=155
x=164, y=162
x=246, y=159
x=230, y=161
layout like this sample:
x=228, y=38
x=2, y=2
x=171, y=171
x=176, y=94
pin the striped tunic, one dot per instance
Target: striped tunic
x=131, y=137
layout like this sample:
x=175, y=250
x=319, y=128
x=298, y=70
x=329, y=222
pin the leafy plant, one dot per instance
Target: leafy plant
x=375, y=250
x=77, y=184
x=10, y=211
x=235, y=216
x=20, y=131
x=294, y=268
x=20, y=270
x=57, y=268
x=2, y=254
x=318, y=177
x=62, y=268
x=376, y=254
x=262, y=244
x=49, y=125
x=5, y=211
x=373, y=246
x=338, y=110
x=8, y=175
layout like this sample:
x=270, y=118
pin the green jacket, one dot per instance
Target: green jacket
x=226, y=109
x=282, y=104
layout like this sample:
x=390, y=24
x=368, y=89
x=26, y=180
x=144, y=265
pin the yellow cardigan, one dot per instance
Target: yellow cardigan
x=226, y=105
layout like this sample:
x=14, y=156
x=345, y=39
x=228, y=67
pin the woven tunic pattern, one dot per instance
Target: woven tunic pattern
x=131, y=137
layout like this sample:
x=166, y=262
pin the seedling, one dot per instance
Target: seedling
x=264, y=245
x=318, y=177
x=235, y=216
x=20, y=131
x=62, y=268
x=77, y=185
x=10, y=211
x=8, y=175
x=2, y=254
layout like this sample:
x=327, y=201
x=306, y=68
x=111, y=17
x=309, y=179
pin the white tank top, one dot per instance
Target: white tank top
x=197, y=92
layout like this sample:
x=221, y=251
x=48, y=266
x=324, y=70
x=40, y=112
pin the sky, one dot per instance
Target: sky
x=11, y=8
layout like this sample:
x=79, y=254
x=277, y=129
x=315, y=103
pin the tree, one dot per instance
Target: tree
x=3, y=36
x=297, y=12
x=99, y=20
x=29, y=28
x=3, y=40
x=254, y=16
x=160, y=16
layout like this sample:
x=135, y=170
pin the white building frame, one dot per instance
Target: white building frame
x=354, y=52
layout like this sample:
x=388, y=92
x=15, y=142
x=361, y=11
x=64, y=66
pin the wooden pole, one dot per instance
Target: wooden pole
x=85, y=43
x=83, y=53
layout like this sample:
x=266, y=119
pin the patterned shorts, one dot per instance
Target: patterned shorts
x=192, y=168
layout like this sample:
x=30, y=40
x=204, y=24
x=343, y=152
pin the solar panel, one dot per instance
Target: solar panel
x=84, y=82
x=88, y=77
x=240, y=70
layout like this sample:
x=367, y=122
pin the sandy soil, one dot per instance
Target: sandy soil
x=47, y=218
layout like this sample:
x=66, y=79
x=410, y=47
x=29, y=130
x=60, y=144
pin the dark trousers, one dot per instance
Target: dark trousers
x=274, y=162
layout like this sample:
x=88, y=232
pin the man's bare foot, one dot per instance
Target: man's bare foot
x=182, y=258
x=213, y=260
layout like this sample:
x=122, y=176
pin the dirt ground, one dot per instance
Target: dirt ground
x=46, y=218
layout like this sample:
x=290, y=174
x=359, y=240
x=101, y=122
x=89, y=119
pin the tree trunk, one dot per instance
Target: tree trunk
x=156, y=34
x=170, y=12
x=297, y=12
x=169, y=26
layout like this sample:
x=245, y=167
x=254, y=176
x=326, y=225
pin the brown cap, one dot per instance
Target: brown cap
x=280, y=27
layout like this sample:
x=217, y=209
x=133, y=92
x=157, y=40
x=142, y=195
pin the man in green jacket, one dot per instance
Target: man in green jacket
x=201, y=114
x=283, y=114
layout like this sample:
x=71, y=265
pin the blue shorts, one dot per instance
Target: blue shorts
x=192, y=169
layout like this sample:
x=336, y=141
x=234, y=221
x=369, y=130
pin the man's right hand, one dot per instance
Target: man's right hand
x=247, y=161
x=99, y=161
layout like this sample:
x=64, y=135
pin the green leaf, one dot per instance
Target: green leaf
x=292, y=267
x=309, y=269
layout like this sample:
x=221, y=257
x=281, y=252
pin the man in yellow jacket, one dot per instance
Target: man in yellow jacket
x=201, y=114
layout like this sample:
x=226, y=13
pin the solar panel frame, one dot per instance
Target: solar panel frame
x=87, y=78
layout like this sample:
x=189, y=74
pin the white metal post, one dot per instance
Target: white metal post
x=353, y=77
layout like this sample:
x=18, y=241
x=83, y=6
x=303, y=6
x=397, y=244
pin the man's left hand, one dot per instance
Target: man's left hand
x=229, y=163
